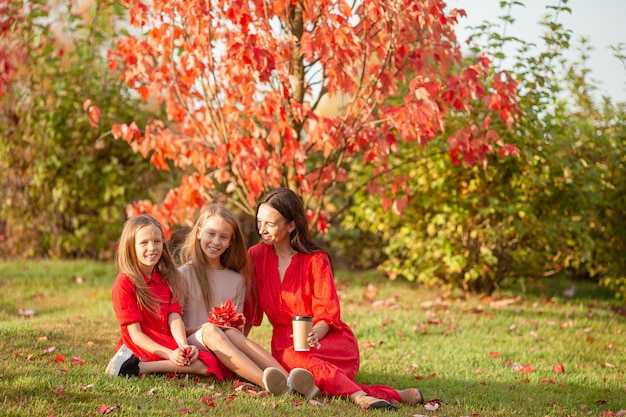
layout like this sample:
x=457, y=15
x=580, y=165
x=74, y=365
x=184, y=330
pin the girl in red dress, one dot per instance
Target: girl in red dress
x=146, y=298
x=295, y=278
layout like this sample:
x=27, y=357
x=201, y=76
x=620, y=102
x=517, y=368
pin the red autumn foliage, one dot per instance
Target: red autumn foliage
x=227, y=315
x=246, y=87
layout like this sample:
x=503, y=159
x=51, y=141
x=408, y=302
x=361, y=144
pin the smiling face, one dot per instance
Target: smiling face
x=148, y=247
x=272, y=226
x=215, y=237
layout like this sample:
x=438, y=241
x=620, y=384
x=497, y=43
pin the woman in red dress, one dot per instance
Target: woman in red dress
x=295, y=278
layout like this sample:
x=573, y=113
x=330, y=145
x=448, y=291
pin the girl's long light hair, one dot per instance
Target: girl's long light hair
x=234, y=258
x=127, y=263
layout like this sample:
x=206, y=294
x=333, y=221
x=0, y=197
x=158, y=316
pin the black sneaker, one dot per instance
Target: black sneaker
x=123, y=363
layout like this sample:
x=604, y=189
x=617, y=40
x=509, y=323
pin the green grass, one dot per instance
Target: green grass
x=465, y=352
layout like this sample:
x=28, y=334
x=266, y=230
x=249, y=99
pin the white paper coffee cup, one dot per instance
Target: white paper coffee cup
x=301, y=329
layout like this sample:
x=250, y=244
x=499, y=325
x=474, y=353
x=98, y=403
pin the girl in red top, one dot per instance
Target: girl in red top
x=146, y=298
x=295, y=278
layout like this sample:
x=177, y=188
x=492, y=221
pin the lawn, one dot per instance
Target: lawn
x=534, y=353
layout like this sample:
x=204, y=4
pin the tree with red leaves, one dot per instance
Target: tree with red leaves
x=246, y=85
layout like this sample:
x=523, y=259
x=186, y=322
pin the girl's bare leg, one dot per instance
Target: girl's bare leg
x=231, y=356
x=261, y=357
x=167, y=366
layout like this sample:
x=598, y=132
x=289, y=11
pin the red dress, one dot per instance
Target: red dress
x=308, y=289
x=128, y=311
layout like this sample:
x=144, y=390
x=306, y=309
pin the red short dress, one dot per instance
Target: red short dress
x=128, y=311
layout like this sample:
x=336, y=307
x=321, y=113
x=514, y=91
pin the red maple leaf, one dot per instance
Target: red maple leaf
x=187, y=354
x=558, y=368
x=227, y=315
x=526, y=369
x=77, y=361
x=208, y=401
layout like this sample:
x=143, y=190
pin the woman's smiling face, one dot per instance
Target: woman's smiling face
x=272, y=226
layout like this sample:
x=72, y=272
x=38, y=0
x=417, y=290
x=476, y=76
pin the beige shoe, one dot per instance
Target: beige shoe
x=411, y=396
x=367, y=402
x=302, y=381
x=275, y=381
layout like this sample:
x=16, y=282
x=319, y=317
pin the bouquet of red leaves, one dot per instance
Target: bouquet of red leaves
x=227, y=316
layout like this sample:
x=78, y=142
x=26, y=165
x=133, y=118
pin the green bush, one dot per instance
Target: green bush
x=65, y=184
x=553, y=209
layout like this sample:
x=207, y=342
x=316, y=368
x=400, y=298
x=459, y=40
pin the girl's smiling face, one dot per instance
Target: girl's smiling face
x=148, y=247
x=215, y=237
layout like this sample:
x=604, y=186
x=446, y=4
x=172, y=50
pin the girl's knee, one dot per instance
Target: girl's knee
x=212, y=335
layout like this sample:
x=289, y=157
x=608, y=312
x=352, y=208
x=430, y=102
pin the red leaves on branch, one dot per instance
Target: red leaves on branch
x=250, y=107
x=227, y=315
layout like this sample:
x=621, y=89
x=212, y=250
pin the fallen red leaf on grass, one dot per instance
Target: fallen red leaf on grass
x=77, y=361
x=240, y=385
x=494, y=354
x=558, y=368
x=208, y=401
x=436, y=401
x=103, y=409
x=526, y=369
x=59, y=358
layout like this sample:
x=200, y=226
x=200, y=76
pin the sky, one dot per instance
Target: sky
x=600, y=21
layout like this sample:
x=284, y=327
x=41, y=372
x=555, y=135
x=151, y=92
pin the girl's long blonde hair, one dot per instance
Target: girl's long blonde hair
x=234, y=258
x=127, y=263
